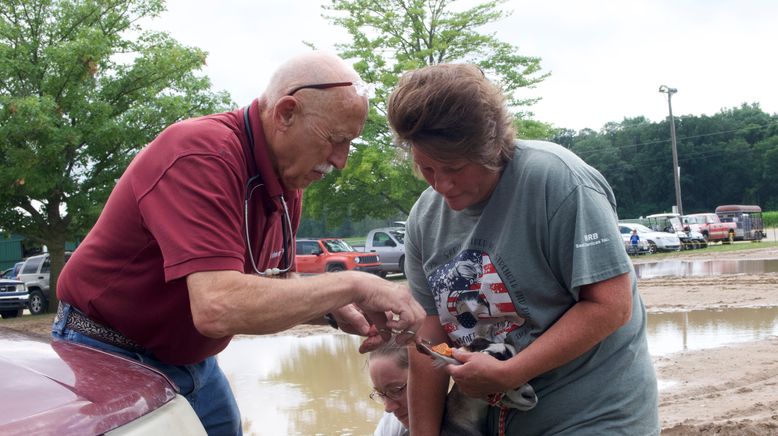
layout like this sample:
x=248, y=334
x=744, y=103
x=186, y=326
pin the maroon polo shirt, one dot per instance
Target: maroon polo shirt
x=176, y=210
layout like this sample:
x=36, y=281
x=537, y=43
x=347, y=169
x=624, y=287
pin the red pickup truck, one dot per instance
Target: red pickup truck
x=314, y=256
x=711, y=227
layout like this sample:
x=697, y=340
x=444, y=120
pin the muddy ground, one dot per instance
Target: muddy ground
x=729, y=390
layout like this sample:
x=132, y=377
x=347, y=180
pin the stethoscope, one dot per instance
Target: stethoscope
x=286, y=223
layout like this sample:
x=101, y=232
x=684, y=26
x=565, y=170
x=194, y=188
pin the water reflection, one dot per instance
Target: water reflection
x=287, y=385
x=691, y=268
x=679, y=331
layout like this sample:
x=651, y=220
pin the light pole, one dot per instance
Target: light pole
x=676, y=169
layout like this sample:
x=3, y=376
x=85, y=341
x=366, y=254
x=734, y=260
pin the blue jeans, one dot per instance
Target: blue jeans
x=203, y=384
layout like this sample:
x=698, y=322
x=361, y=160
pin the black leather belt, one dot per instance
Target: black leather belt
x=81, y=323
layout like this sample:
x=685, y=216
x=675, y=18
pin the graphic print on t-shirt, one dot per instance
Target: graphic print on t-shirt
x=472, y=300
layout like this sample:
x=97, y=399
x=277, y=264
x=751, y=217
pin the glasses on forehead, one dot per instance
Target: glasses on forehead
x=394, y=394
x=362, y=89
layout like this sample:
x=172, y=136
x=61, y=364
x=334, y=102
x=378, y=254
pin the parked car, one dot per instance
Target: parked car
x=35, y=273
x=657, y=241
x=389, y=244
x=671, y=223
x=64, y=388
x=314, y=256
x=12, y=272
x=14, y=298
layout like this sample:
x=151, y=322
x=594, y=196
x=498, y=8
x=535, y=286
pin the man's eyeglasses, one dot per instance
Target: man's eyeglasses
x=394, y=394
x=362, y=89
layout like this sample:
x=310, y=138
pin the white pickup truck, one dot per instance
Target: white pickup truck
x=388, y=243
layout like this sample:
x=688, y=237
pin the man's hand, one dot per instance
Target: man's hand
x=381, y=310
x=392, y=312
x=389, y=306
x=374, y=340
x=351, y=320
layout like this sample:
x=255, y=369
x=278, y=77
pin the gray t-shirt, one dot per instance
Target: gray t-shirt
x=508, y=268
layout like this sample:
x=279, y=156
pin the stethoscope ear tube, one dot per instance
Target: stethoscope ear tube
x=286, y=223
x=250, y=135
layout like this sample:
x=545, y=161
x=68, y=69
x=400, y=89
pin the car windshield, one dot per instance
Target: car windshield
x=337, y=246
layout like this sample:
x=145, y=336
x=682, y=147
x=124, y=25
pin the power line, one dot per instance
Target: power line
x=660, y=159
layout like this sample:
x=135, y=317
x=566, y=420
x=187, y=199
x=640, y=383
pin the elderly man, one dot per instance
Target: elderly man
x=198, y=232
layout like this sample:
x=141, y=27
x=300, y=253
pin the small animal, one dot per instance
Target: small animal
x=466, y=415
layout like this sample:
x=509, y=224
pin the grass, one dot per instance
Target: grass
x=770, y=219
x=355, y=240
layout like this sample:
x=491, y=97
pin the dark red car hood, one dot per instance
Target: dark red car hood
x=66, y=388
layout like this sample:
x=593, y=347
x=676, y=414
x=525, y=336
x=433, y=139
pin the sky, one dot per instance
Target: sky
x=607, y=58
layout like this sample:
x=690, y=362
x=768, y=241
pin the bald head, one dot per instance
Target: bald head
x=311, y=110
x=308, y=68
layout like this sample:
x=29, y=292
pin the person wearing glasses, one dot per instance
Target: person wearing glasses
x=196, y=242
x=388, y=369
x=517, y=241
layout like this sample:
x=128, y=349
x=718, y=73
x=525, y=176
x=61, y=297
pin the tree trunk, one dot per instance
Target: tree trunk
x=56, y=247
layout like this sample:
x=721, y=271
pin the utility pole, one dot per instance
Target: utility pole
x=676, y=169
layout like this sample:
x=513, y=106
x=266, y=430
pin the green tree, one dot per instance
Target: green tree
x=533, y=129
x=82, y=89
x=768, y=172
x=389, y=37
x=728, y=158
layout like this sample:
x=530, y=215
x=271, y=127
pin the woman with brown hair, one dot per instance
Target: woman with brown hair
x=517, y=241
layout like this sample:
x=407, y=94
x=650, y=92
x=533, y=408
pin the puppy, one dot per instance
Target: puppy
x=467, y=415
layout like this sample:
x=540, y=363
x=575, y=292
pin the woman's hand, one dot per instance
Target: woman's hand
x=479, y=375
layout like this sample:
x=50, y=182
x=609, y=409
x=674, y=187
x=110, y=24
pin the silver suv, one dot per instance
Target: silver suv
x=35, y=273
x=13, y=298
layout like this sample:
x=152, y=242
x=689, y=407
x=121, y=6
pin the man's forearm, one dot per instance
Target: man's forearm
x=235, y=303
x=228, y=302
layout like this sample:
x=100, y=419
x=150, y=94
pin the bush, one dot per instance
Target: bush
x=770, y=218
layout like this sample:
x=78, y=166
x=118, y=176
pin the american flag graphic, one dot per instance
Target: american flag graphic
x=472, y=300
